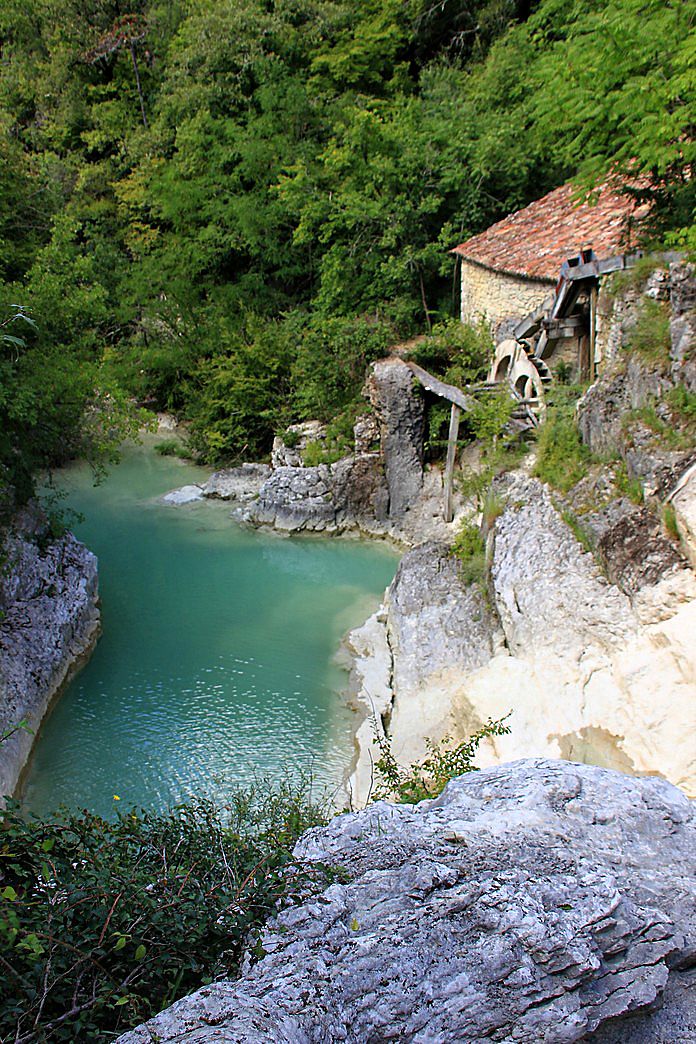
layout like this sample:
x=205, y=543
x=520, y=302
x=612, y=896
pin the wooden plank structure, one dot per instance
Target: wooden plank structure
x=460, y=401
x=522, y=419
x=438, y=387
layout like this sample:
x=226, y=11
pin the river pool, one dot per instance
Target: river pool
x=216, y=662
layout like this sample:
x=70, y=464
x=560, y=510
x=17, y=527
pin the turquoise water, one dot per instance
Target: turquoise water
x=215, y=662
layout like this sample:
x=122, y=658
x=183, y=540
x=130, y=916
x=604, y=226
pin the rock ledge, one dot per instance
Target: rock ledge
x=537, y=901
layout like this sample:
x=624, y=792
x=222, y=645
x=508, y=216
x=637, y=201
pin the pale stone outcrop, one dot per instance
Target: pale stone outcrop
x=237, y=484
x=183, y=495
x=683, y=499
x=290, y=456
x=588, y=671
x=627, y=381
x=409, y=658
x=382, y=489
x=539, y=901
x=49, y=598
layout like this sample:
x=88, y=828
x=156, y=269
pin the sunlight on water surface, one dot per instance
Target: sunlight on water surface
x=216, y=659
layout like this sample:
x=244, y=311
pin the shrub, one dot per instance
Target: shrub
x=650, y=336
x=492, y=508
x=331, y=357
x=669, y=519
x=489, y=416
x=291, y=438
x=627, y=486
x=562, y=458
x=682, y=403
x=429, y=777
x=470, y=550
x=105, y=922
x=314, y=453
x=459, y=354
x=171, y=448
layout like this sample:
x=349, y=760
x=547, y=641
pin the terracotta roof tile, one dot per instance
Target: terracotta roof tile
x=534, y=242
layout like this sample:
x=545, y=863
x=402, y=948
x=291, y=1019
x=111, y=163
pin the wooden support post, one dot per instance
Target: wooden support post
x=451, y=453
x=593, y=333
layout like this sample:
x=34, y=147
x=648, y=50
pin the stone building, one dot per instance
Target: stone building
x=512, y=267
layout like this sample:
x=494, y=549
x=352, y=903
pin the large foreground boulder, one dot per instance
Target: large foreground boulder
x=537, y=901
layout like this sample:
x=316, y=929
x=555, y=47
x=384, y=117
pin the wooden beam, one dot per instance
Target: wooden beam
x=593, y=332
x=437, y=387
x=455, y=414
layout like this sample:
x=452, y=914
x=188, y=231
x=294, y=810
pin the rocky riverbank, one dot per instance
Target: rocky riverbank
x=592, y=652
x=382, y=489
x=584, y=624
x=589, y=672
x=539, y=901
x=48, y=628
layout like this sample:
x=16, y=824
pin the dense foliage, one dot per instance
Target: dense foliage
x=104, y=922
x=226, y=208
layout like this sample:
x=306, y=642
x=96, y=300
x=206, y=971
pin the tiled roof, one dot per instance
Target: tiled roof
x=534, y=242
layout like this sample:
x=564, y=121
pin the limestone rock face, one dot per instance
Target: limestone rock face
x=683, y=324
x=590, y=670
x=51, y=622
x=601, y=409
x=324, y=498
x=438, y=630
x=401, y=414
x=583, y=662
x=410, y=656
x=684, y=503
x=284, y=456
x=538, y=901
x=636, y=550
x=550, y=595
x=628, y=382
x=237, y=484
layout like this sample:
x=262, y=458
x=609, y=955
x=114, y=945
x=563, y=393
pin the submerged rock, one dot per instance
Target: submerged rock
x=538, y=901
x=183, y=495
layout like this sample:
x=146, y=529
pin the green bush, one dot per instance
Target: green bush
x=682, y=403
x=314, y=453
x=171, y=448
x=291, y=438
x=562, y=457
x=669, y=519
x=627, y=486
x=650, y=337
x=489, y=415
x=459, y=354
x=428, y=778
x=105, y=922
x=330, y=362
x=470, y=551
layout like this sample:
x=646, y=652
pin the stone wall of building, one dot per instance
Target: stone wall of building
x=495, y=297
